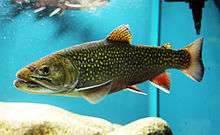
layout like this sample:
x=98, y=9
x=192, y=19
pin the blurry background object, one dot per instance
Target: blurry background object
x=58, y=6
x=196, y=6
x=217, y=3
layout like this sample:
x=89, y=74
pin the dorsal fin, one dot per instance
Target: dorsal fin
x=121, y=34
x=167, y=46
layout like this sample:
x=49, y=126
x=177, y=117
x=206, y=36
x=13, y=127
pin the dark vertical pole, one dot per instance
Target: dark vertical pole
x=155, y=40
x=159, y=42
x=196, y=6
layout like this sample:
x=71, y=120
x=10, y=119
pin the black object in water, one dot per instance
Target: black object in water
x=217, y=3
x=196, y=6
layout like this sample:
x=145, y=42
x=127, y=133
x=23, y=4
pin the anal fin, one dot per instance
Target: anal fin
x=162, y=82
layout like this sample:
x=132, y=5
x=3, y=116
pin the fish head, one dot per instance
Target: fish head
x=49, y=75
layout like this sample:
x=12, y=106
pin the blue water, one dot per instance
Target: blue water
x=26, y=38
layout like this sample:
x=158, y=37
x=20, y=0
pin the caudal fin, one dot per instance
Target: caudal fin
x=196, y=69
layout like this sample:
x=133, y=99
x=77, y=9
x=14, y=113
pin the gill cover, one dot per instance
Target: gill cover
x=71, y=74
x=62, y=76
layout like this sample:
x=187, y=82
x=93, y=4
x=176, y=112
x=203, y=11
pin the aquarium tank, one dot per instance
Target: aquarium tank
x=30, y=31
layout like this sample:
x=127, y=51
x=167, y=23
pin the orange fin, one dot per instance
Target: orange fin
x=196, y=69
x=162, y=82
x=135, y=89
x=121, y=34
x=166, y=46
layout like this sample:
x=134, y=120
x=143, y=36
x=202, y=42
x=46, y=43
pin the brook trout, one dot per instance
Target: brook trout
x=95, y=69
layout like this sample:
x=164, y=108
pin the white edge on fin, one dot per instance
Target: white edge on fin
x=91, y=87
x=95, y=99
x=187, y=74
x=142, y=93
x=159, y=87
x=196, y=69
x=96, y=96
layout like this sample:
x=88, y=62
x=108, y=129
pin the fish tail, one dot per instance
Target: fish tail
x=195, y=70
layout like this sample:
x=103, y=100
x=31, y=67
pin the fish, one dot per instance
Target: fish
x=59, y=6
x=95, y=69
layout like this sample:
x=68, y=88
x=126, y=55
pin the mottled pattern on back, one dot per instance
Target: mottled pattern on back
x=122, y=63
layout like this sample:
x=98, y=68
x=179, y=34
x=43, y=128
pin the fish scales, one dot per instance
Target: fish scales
x=102, y=61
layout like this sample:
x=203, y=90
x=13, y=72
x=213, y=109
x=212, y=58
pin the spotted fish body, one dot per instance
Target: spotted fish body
x=98, y=68
x=122, y=63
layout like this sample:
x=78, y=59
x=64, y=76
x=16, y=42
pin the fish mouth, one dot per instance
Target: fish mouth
x=31, y=86
x=35, y=88
x=28, y=84
x=34, y=84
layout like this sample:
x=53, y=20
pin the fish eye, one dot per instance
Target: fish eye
x=44, y=70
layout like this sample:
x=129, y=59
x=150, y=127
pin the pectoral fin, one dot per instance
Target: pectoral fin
x=162, y=82
x=95, y=93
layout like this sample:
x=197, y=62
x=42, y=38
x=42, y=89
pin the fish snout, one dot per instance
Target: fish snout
x=24, y=74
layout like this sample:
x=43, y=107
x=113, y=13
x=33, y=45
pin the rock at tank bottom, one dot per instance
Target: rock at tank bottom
x=41, y=119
